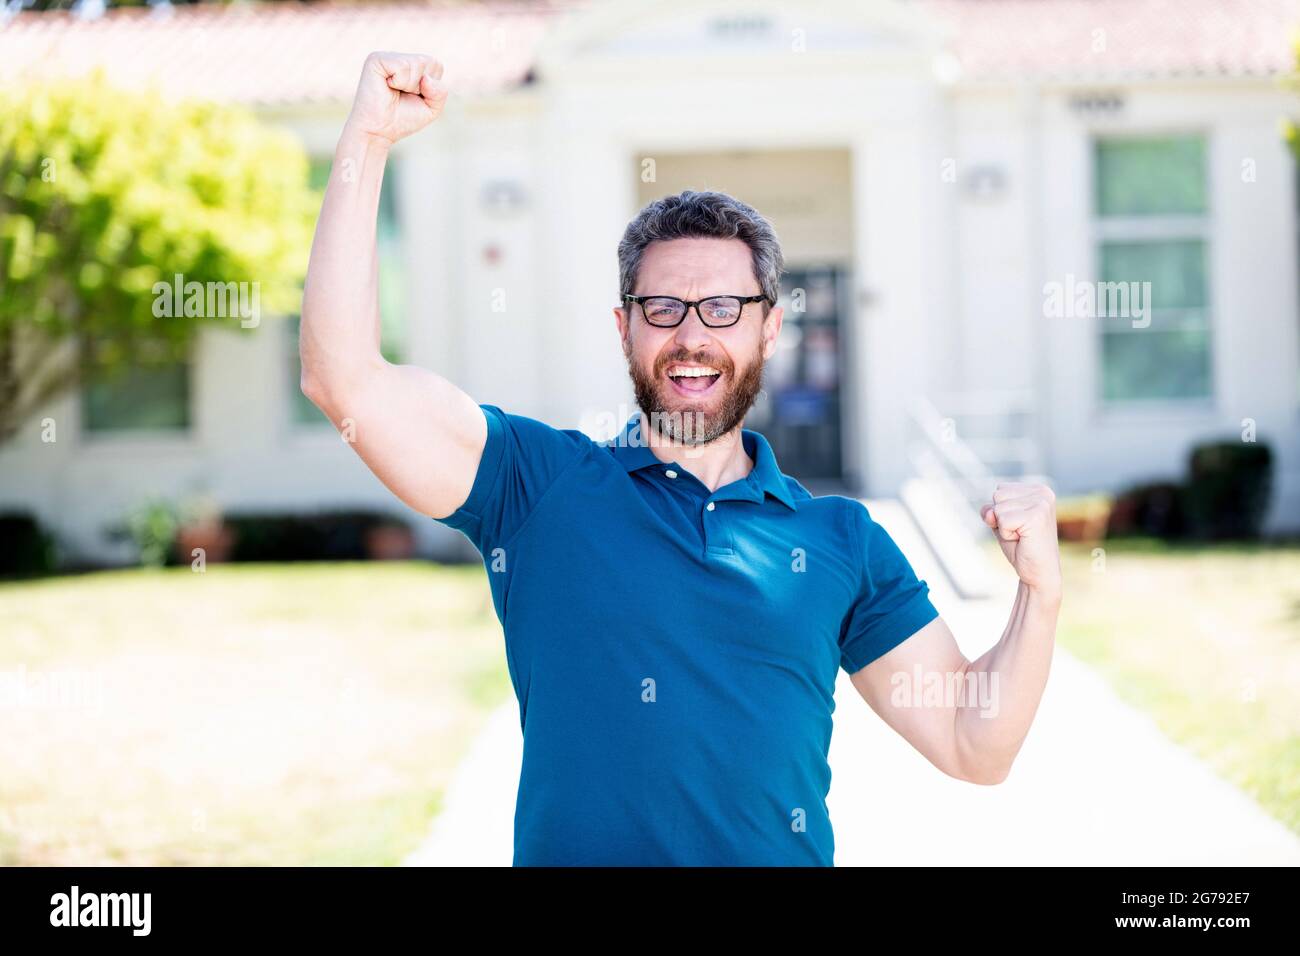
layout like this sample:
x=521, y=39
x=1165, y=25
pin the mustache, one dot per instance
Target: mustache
x=720, y=362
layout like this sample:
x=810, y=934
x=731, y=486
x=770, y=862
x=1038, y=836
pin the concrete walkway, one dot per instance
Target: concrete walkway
x=1096, y=783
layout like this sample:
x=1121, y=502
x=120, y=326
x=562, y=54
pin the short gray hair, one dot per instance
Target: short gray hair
x=702, y=215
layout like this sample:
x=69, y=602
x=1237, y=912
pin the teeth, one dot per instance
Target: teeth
x=692, y=372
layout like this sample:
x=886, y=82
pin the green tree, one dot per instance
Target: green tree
x=103, y=195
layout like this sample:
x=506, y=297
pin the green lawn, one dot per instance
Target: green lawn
x=251, y=714
x=312, y=714
x=1207, y=641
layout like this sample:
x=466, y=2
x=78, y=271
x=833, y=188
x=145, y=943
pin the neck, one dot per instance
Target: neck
x=715, y=464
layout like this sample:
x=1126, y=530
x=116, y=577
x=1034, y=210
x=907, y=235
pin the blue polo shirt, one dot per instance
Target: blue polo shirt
x=675, y=649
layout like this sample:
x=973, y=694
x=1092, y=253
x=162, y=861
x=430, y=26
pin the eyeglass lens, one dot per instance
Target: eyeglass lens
x=719, y=310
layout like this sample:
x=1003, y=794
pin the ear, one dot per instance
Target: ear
x=621, y=319
x=771, y=329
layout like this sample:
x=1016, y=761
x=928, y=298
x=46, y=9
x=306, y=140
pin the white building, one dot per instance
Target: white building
x=934, y=170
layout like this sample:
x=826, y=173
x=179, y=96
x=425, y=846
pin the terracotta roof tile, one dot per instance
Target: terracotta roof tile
x=274, y=54
x=295, y=54
x=1117, y=39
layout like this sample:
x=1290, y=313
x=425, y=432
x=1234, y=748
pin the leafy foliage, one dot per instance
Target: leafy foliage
x=104, y=193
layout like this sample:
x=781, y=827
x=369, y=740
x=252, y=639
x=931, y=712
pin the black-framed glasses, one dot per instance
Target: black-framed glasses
x=717, y=311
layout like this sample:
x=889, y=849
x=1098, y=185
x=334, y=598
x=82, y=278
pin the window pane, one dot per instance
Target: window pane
x=1150, y=177
x=1175, y=268
x=1153, y=365
x=392, y=274
x=154, y=397
x=388, y=225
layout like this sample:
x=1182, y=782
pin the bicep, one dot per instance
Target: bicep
x=889, y=685
x=417, y=432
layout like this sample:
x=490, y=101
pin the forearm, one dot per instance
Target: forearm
x=991, y=725
x=340, y=331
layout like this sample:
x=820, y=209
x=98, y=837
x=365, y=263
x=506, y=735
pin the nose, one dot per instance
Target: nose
x=692, y=334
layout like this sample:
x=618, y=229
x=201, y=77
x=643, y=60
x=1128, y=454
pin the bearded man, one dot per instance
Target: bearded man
x=675, y=608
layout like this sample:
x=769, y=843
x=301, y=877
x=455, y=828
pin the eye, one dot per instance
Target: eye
x=662, y=308
x=724, y=308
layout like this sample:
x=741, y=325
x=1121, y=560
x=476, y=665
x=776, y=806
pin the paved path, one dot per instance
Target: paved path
x=1096, y=782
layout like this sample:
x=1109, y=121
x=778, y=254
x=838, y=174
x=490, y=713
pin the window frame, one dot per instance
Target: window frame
x=142, y=437
x=1155, y=228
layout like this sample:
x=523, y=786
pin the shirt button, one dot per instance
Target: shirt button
x=670, y=473
x=709, y=506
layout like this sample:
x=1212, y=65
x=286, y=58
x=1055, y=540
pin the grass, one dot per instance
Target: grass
x=253, y=714
x=1206, y=639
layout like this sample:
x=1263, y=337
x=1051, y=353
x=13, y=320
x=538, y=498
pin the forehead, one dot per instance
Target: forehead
x=691, y=267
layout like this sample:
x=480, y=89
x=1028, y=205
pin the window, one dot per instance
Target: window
x=392, y=272
x=1295, y=199
x=1152, y=227
x=148, y=396
x=392, y=292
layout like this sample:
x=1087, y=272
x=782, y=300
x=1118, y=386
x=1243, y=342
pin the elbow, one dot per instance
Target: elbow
x=986, y=770
x=330, y=383
x=312, y=386
x=319, y=371
x=989, y=776
x=311, y=380
x=982, y=769
x=324, y=390
x=983, y=776
x=322, y=383
x=975, y=756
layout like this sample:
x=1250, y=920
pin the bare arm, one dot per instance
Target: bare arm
x=421, y=435
x=974, y=727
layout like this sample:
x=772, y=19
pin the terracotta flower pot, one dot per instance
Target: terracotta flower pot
x=216, y=538
x=390, y=542
x=1083, y=522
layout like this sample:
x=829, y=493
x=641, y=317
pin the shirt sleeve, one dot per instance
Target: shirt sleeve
x=892, y=603
x=522, y=459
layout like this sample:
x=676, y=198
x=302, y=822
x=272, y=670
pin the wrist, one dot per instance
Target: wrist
x=354, y=140
x=1046, y=595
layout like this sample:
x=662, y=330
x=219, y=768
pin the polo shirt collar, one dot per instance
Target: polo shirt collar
x=765, y=478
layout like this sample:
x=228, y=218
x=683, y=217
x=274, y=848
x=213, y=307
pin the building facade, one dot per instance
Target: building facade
x=951, y=182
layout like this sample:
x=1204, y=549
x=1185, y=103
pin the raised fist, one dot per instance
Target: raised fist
x=1024, y=517
x=398, y=94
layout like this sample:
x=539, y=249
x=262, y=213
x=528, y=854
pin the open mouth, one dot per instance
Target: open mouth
x=693, y=380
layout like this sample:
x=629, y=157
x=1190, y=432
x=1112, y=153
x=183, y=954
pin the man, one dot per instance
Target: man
x=675, y=609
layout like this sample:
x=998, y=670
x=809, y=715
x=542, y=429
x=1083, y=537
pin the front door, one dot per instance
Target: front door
x=799, y=410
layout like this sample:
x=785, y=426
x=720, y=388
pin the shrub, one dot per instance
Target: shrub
x=25, y=549
x=1153, y=508
x=152, y=528
x=1228, y=489
x=105, y=196
x=321, y=536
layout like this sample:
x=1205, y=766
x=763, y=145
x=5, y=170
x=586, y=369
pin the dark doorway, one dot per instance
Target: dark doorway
x=800, y=408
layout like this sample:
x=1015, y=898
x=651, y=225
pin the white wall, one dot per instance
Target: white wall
x=948, y=288
x=1252, y=277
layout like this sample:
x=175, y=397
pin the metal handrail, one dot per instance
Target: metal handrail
x=954, y=462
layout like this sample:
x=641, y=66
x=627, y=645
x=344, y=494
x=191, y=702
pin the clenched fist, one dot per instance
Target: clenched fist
x=398, y=94
x=1024, y=517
